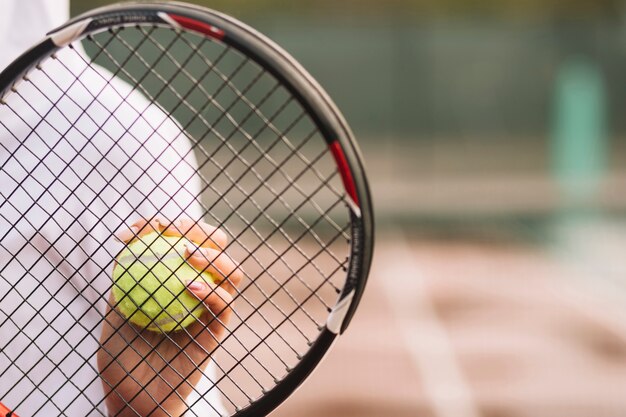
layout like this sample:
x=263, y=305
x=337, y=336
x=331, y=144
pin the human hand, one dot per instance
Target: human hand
x=147, y=373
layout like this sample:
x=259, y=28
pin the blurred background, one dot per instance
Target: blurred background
x=494, y=137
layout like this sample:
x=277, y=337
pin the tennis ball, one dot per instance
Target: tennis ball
x=150, y=279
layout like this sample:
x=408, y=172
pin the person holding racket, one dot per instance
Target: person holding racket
x=24, y=23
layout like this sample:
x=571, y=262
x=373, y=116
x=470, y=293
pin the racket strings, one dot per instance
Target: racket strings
x=165, y=307
x=267, y=123
x=239, y=95
x=224, y=111
x=257, y=235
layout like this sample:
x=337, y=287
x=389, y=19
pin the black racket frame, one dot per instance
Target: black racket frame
x=310, y=95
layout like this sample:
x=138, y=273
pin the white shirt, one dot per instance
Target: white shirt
x=67, y=182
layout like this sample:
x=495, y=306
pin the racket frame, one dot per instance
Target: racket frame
x=325, y=114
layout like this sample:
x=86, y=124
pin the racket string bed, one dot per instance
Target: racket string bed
x=281, y=135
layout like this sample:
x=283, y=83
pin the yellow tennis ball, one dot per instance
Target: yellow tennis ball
x=150, y=279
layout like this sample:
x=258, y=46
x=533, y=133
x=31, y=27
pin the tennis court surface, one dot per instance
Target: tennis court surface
x=482, y=322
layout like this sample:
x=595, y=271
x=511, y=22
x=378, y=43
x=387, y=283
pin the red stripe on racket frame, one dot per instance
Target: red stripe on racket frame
x=195, y=25
x=344, y=171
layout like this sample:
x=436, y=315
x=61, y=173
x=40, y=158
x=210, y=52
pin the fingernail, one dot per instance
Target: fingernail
x=126, y=233
x=195, y=285
x=195, y=251
x=161, y=221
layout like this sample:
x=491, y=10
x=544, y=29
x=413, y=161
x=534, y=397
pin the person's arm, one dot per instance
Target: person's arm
x=149, y=375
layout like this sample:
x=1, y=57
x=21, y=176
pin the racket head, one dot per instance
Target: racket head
x=341, y=155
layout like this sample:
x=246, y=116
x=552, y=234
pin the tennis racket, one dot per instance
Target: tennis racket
x=167, y=110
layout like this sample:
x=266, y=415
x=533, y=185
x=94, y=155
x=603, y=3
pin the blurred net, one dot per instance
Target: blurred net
x=145, y=120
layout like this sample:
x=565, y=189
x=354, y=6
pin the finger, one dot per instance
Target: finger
x=216, y=263
x=125, y=234
x=212, y=323
x=154, y=224
x=199, y=232
x=139, y=228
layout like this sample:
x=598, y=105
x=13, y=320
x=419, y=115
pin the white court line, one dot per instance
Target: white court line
x=425, y=336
